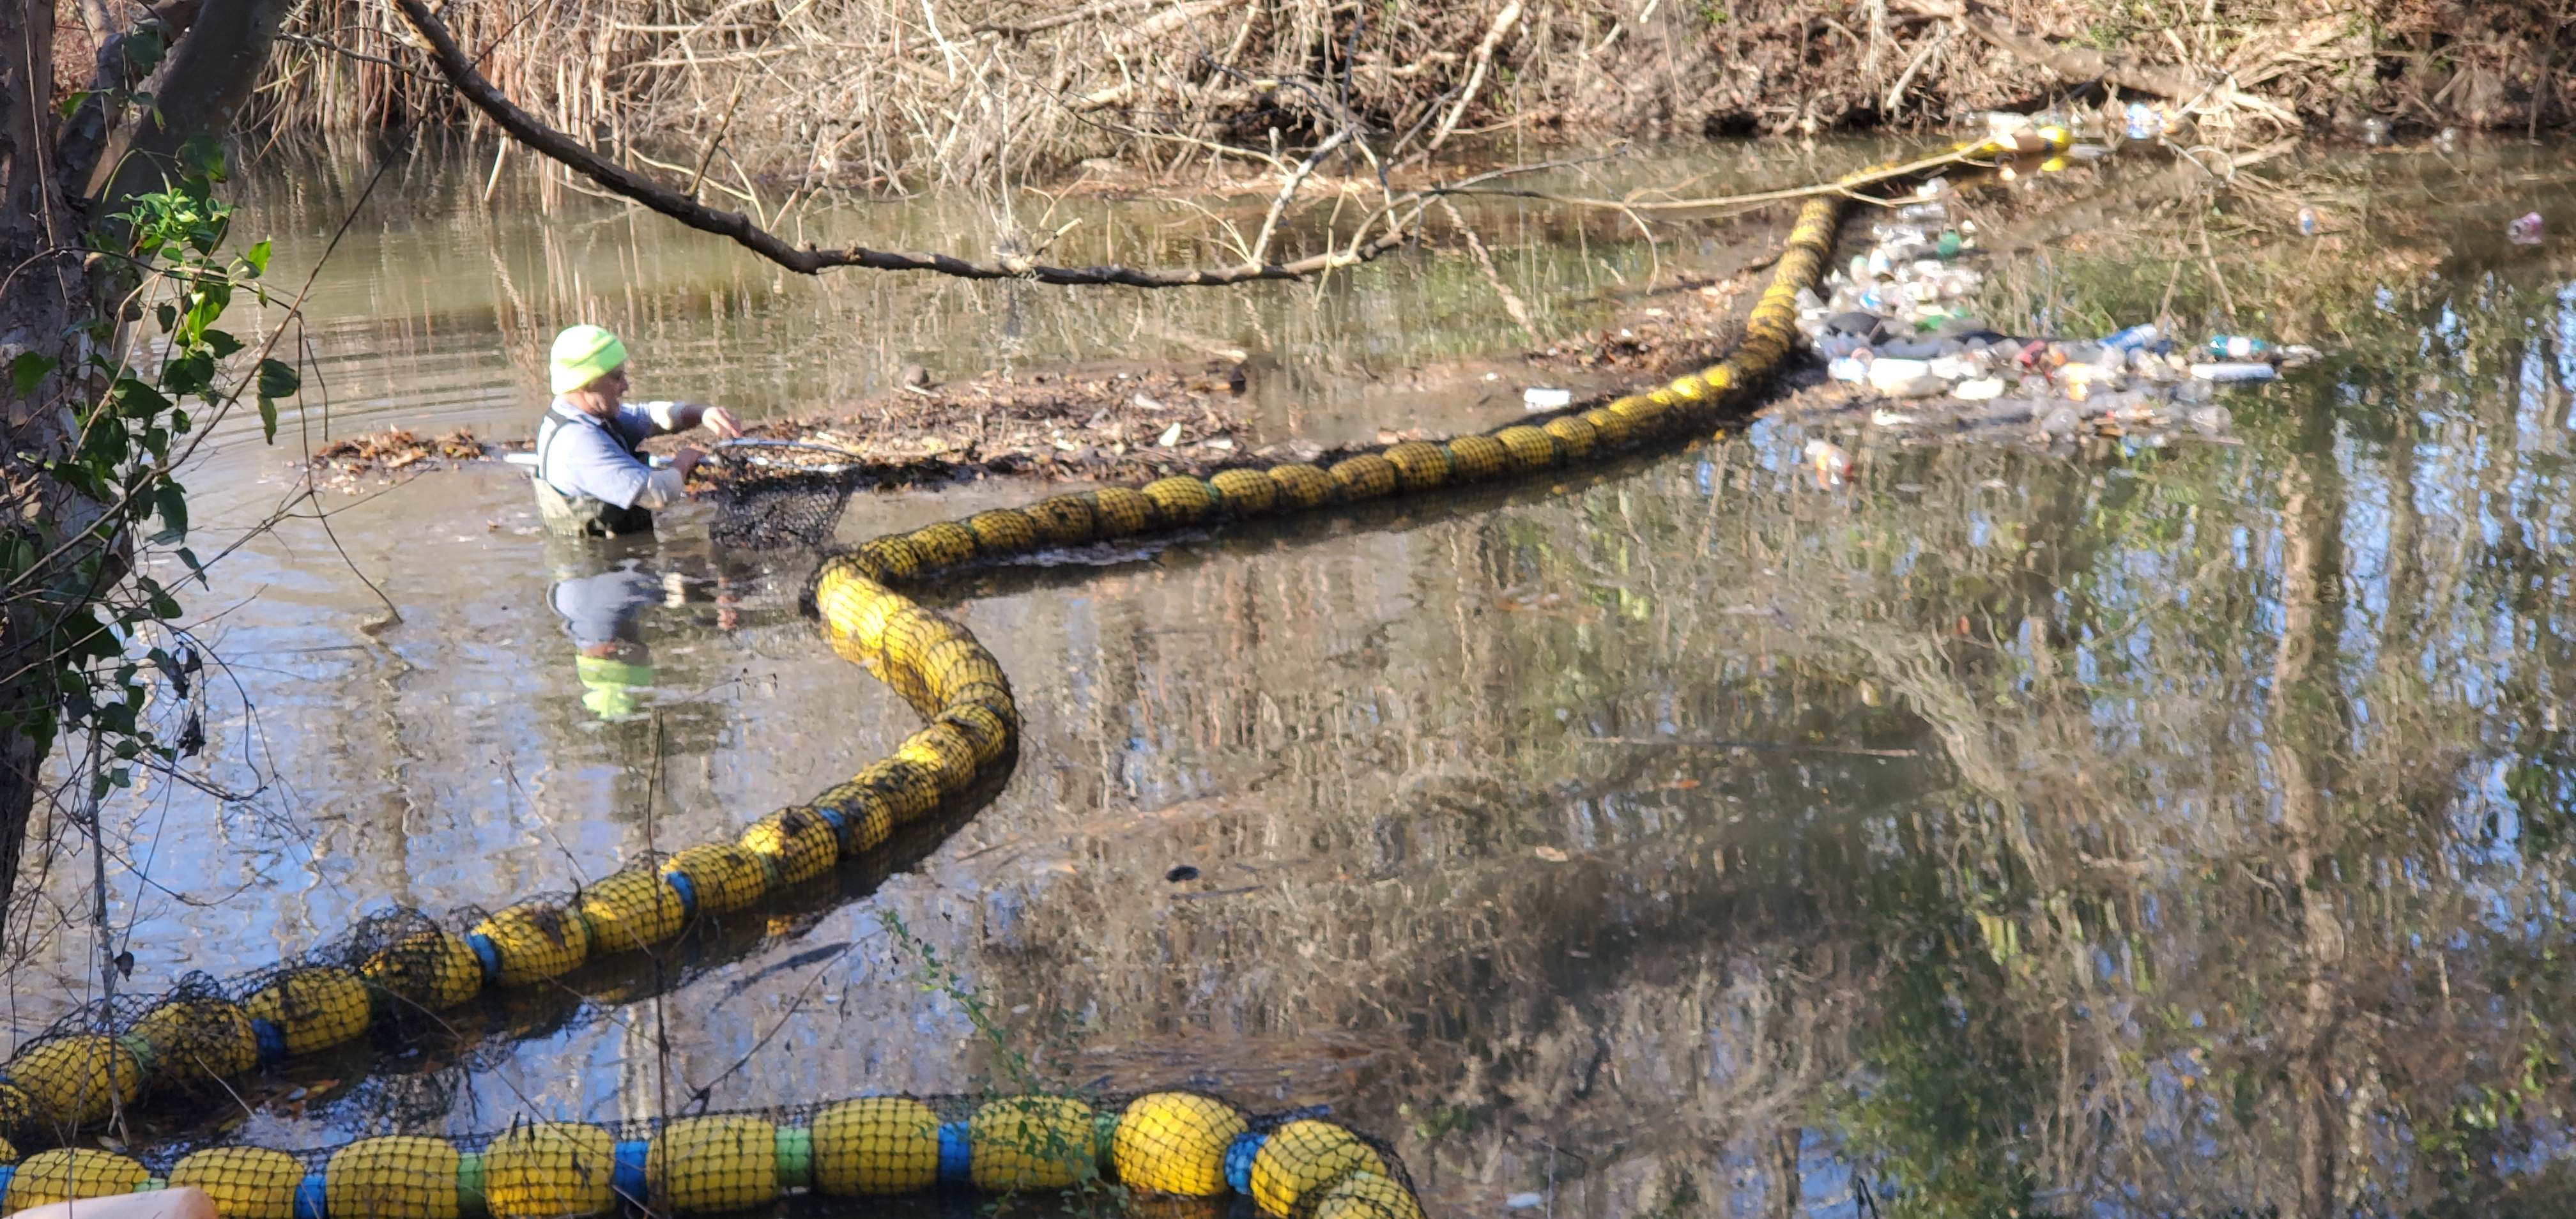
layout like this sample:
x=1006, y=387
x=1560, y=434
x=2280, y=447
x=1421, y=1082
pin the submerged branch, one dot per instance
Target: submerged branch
x=461, y=74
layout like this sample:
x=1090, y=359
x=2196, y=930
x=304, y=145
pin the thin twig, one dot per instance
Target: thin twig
x=1503, y=23
x=1288, y=192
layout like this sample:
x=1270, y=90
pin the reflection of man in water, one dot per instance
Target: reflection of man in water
x=611, y=658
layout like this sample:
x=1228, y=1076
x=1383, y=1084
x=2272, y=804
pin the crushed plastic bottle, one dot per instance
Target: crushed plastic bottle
x=2143, y=122
x=1829, y=461
x=2235, y=347
x=2525, y=230
x=1847, y=368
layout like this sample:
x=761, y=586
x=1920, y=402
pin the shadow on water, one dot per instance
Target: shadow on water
x=2153, y=831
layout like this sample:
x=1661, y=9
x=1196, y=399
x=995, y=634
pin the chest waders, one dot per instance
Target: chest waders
x=580, y=516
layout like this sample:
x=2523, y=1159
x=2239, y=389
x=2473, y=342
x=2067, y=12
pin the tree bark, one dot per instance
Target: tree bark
x=212, y=72
x=48, y=217
x=44, y=286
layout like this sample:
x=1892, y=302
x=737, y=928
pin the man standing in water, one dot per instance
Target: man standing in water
x=590, y=479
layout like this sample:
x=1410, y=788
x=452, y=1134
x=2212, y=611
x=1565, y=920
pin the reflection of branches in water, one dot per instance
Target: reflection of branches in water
x=2185, y=867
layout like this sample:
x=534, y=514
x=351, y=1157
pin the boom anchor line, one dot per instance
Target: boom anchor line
x=394, y=968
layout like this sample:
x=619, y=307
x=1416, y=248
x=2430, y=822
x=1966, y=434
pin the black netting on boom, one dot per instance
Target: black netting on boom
x=1162, y=1148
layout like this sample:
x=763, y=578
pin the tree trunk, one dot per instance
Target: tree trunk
x=39, y=244
x=48, y=219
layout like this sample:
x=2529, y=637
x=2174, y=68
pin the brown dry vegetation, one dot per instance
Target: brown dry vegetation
x=891, y=95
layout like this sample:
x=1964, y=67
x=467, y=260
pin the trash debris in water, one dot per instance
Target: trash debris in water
x=1898, y=321
x=2307, y=222
x=1829, y=461
x=1546, y=399
x=2525, y=230
x=2143, y=122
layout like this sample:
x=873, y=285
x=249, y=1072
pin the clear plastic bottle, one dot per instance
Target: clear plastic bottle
x=2133, y=338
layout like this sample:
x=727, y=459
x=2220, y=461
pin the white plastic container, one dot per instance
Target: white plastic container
x=2247, y=371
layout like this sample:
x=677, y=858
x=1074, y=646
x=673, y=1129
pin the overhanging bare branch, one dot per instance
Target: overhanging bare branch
x=453, y=64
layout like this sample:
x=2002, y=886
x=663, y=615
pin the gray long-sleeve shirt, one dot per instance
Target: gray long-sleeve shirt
x=578, y=454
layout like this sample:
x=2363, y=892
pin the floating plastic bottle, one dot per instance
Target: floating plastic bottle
x=2235, y=347
x=2233, y=371
x=1924, y=213
x=2526, y=230
x=2132, y=339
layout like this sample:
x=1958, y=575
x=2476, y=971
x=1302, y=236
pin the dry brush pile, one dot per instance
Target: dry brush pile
x=740, y=96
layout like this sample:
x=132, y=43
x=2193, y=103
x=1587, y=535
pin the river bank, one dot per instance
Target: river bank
x=761, y=101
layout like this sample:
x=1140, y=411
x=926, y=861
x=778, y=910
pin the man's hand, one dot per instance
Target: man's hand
x=686, y=460
x=720, y=421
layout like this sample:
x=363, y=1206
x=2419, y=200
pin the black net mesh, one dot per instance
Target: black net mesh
x=1162, y=1148
x=763, y=508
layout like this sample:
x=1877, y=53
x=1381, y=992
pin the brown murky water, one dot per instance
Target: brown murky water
x=2151, y=831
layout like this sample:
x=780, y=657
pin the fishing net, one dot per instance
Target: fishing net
x=759, y=508
x=1164, y=1145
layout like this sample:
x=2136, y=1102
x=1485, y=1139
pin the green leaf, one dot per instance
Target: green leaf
x=136, y=400
x=278, y=380
x=28, y=371
x=72, y=101
x=224, y=344
x=203, y=154
x=193, y=373
x=257, y=257
x=195, y=568
x=171, y=501
x=168, y=315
